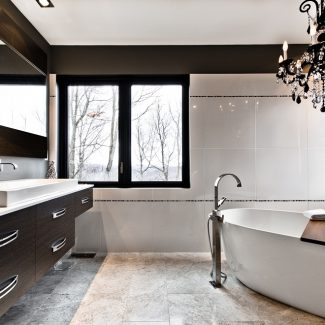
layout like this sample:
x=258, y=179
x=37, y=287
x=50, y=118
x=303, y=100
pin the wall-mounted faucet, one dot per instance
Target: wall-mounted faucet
x=216, y=220
x=15, y=166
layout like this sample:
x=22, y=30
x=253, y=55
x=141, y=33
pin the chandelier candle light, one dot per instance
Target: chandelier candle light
x=306, y=76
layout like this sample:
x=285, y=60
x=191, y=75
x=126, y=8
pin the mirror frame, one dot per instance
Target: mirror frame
x=17, y=40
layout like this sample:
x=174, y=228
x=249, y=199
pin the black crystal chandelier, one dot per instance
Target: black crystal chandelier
x=306, y=75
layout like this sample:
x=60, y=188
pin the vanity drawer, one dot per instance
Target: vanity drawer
x=17, y=236
x=83, y=201
x=55, y=231
x=16, y=279
x=53, y=214
x=17, y=255
x=52, y=246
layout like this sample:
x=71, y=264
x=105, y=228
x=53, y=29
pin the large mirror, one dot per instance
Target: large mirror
x=23, y=118
x=23, y=91
x=22, y=94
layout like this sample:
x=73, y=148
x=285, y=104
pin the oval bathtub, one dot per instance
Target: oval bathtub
x=264, y=251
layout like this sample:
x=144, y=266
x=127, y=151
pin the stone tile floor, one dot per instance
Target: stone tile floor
x=147, y=289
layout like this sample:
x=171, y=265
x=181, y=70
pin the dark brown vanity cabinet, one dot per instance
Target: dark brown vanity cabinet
x=32, y=240
x=17, y=255
x=83, y=201
x=54, y=232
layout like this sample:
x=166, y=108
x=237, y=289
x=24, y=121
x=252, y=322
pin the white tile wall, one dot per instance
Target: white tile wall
x=27, y=168
x=127, y=226
x=316, y=173
x=275, y=146
x=281, y=174
x=233, y=117
x=315, y=129
x=179, y=225
x=238, y=161
x=280, y=123
x=88, y=229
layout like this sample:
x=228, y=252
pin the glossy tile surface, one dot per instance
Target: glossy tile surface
x=316, y=166
x=245, y=124
x=229, y=123
x=148, y=289
x=281, y=174
x=239, y=162
x=281, y=123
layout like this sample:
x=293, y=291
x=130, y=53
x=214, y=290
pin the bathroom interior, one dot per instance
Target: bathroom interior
x=162, y=162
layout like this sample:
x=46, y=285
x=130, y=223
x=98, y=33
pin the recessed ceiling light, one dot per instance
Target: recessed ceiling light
x=45, y=3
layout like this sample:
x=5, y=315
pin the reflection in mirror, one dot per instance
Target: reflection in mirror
x=22, y=94
x=23, y=101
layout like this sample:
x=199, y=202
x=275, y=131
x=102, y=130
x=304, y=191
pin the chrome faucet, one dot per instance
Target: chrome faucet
x=216, y=218
x=15, y=166
x=218, y=203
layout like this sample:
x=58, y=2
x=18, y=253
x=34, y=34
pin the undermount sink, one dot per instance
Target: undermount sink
x=14, y=192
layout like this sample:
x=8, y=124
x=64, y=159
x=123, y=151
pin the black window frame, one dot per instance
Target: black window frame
x=22, y=79
x=124, y=123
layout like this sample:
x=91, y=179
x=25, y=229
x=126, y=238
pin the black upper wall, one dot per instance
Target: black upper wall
x=181, y=59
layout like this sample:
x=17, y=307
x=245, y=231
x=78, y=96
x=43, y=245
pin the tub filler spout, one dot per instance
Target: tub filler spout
x=216, y=219
x=218, y=202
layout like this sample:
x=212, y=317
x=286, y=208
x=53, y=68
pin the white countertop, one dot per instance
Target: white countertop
x=43, y=198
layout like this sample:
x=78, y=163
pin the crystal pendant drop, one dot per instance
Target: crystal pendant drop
x=306, y=88
x=298, y=100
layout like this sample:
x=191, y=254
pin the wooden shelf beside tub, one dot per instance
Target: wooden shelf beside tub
x=314, y=232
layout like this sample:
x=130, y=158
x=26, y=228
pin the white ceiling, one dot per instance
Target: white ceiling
x=167, y=22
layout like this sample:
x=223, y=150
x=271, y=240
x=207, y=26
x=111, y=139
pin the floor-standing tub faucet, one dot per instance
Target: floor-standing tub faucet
x=216, y=219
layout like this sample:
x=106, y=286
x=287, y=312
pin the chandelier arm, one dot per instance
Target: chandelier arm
x=302, y=81
x=311, y=69
x=307, y=4
x=290, y=73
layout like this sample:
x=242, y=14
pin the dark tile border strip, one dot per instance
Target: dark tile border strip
x=240, y=96
x=208, y=201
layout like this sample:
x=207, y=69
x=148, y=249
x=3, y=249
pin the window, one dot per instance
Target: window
x=124, y=131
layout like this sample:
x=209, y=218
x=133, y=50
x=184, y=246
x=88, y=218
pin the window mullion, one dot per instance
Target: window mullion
x=125, y=135
x=63, y=116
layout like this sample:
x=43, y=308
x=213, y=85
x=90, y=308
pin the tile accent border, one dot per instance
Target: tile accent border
x=170, y=201
x=240, y=96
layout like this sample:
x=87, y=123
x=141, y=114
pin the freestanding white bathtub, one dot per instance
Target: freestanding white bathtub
x=264, y=251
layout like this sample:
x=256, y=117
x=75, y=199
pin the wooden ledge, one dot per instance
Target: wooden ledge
x=314, y=232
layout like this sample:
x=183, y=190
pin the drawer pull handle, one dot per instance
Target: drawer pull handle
x=85, y=200
x=59, y=213
x=8, y=237
x=58, y=244
x=7, y=286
